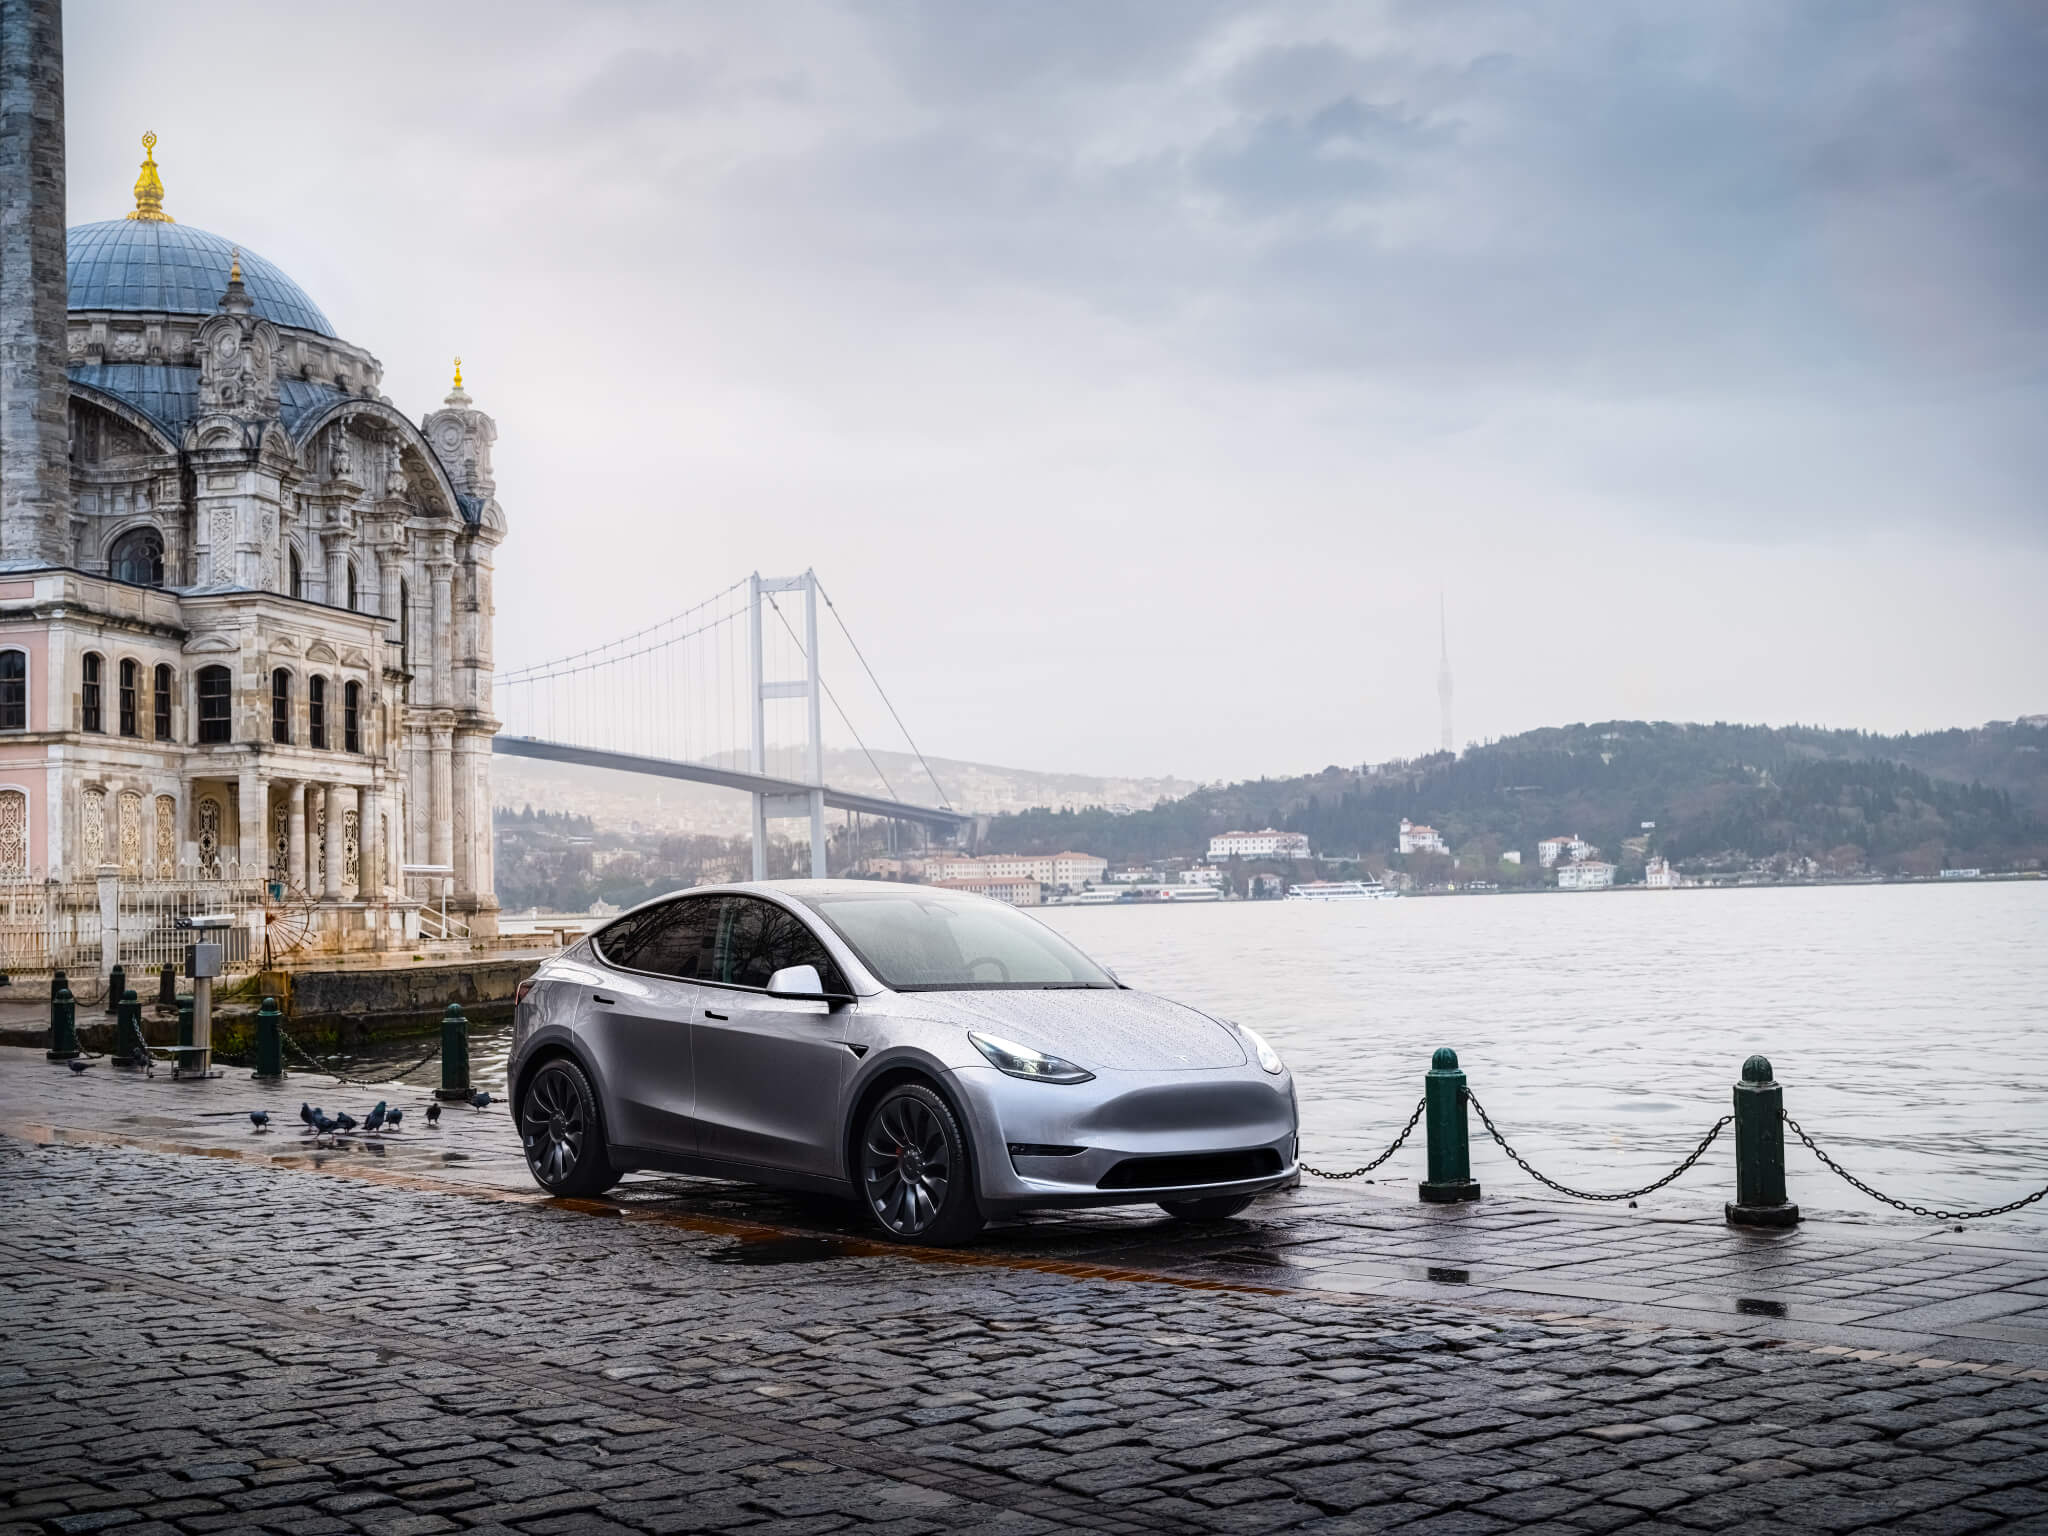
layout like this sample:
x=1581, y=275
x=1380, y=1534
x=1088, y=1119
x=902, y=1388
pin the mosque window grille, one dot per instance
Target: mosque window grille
x=138, y=558
x=351, y=717
x=160, y=698
x=281, y=706
x=316, y=713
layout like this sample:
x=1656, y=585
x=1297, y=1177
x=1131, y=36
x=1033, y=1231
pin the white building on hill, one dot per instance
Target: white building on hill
x=1268, y=844
x=1586, y=875
x=1570, y=849
x=1420, y=839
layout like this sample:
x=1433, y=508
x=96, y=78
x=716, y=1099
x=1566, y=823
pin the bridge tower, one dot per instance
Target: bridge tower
x=811, y=802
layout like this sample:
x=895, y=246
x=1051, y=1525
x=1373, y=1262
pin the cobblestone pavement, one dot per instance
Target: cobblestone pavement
x=211, y=1344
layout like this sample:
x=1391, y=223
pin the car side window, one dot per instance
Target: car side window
x=679, y=938
x=761, y=938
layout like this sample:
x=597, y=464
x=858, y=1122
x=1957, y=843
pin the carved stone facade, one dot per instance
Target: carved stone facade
x=267, y=631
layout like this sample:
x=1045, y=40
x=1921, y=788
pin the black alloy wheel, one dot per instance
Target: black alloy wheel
x=1209, y=1208
x=561, y=1133
x=914, y=1172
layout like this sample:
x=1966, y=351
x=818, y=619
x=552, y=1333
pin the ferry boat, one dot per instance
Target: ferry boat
x=1341, y=890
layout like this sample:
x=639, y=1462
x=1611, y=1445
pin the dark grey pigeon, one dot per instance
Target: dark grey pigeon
x=480, y=1101
x=76, y=1065
x=391, y=1120
x=260, y=1118
x=374, y=1121
x=434, y=1114
x=344, y=1122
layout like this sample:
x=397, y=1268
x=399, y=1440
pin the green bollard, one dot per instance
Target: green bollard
x=1443, y=1116
x=63, y=1026
x=454, y=1087
x=128, y=1044
x=184, y=1021
x=117, y=988
x=58, y=983
x=269, y=1043
x=1760, y=1151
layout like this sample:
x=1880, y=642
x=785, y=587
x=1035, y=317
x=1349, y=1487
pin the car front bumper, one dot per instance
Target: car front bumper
x=1182, y=1135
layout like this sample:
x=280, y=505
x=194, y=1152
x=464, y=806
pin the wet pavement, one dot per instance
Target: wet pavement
x=210, y=1327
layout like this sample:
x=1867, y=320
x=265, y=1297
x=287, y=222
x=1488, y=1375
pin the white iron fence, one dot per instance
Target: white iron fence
x=48, y=925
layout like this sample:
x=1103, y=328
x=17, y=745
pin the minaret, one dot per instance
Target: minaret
x=35, y=392
x=1443, y=673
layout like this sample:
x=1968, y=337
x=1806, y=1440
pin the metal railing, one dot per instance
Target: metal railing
x=49, y=925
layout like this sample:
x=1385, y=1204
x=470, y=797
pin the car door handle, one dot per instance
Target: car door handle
x=710, y=1015
x=599, y=997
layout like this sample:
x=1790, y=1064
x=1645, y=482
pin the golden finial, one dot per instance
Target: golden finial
x=235, y=266
x=149, y=187
x=458, y=373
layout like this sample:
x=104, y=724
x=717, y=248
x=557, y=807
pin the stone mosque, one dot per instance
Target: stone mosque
x=245, y=600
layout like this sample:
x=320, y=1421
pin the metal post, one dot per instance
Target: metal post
x=1450, y=1149
x=58, y=983
x=117, y=985
x=202, y=1023
x=63, y=1025
x=269, y=1043
x=167, y=986
x=816, y=725
x=185, y=1035
x=757, y=714
x=454, y=1056
x=1760, y=1151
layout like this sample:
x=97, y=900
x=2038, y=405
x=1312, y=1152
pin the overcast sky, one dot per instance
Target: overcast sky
x=1137, y=375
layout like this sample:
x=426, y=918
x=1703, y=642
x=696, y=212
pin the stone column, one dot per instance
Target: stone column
x=35, y=446
x=369, y=851
x=338, y=797
x=441, y=797
x=443, y=625
x=252, y=791
x=337, y=569
x=389, y=570
x=295, y=860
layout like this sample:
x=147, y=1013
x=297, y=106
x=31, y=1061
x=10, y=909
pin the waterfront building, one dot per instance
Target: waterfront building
x=1068, y=870
x=1017, y=890
x=1571, y=848
x=1512, y=856
x=1661, y=875
x=1268, y=844
x=245, y=611
x=1203, y=874
x=1420, y=839
x=1585, y=875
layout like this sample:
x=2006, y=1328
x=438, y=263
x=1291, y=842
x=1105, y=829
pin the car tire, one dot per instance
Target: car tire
x=912, y=1169
x=1213, y=1208
x=562, y=1132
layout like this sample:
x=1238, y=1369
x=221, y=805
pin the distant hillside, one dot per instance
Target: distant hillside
x=1719, y=794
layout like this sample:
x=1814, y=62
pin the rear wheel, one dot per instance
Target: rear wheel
x=1214, y=1208
x=562, y=1133
x=914, y=1174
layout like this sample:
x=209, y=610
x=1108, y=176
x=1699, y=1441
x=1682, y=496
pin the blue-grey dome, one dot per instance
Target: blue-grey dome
x=145, y=264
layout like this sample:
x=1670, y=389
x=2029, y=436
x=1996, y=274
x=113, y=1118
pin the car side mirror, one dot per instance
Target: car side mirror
x=798, y=981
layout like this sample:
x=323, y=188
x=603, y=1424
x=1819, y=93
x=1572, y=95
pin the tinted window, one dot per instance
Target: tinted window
x=13, y=691
x=216, y=705
x=678, y=938
x=761, y=938
x=919, y=939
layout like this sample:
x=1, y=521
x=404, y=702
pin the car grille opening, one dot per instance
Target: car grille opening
x=1040, y=1149
x=1197, y=1168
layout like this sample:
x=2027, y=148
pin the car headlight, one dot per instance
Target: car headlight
x=1269, y=1059
x=1016, y=1060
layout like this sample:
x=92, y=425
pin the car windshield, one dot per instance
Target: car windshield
x=920, y=940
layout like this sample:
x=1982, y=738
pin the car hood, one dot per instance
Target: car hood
x=1102, y=1030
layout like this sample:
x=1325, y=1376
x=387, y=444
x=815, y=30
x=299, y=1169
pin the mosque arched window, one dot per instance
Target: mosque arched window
x=297, y=575
x=352, y=587
x=13, y=690
x=89, y=716
x=216, y=705
x=351, y=717
x=131, y=697
x=404, y=625
x=160, y=700
x=138, y=558
x=281, y=706
x=316, y=712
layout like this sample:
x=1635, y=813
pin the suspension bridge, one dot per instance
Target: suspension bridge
x=729, y=692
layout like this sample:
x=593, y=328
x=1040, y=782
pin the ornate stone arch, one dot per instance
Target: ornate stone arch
x=156, y=433
x=438, y=487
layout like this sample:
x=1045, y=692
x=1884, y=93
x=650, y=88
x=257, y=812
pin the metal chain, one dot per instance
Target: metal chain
x=1900, y=1205
x=1368, y=1168
x=360, y=1082
x=1697, y=1153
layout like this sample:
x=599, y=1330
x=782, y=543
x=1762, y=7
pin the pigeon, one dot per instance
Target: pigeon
x=434, y=1114
x=481, y=1101
x=374, y=1120
x=322, y=1126
x=260, y=1118
x=306, y=1112
x=391, y=1120
x=344, y=1122
x=76, y=1065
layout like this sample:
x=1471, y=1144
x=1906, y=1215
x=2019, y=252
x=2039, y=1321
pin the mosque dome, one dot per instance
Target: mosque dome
x=150, y=262
x=173, y=268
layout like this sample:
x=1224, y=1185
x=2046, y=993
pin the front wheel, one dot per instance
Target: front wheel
x=562, y=1133
x=1215, y=1208
x=914, y=1174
